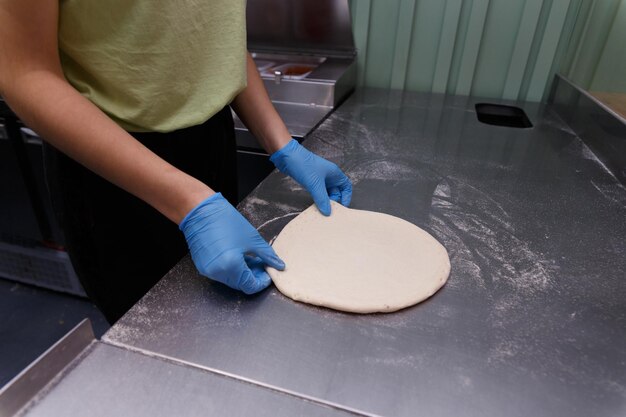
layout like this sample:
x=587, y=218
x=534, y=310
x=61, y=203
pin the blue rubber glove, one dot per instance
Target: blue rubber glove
x=221, y=242
x=321, y=178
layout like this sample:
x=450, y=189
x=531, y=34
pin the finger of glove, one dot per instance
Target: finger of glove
x=257, y=266
x=267, y=254
x=320, y=197
x=254, y=262
x=346, y=194
x=337, y=179
x=334, y=194
x=250, y=283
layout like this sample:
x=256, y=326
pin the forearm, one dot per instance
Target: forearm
x=256, y=111
x=72, y=124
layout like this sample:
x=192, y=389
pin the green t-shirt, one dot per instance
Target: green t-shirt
x=155, y=65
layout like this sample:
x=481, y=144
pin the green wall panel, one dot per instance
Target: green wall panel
x=610, y=73
x=467, y=46
x=500, y=31
x=594, y=28
x=545, y=56
x=445, y=50
x=424, y=44
x=402, y=44
x=380, y=45
x=521, y=50
x=491, y=48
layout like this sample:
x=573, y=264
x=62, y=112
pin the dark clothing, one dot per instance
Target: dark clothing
x=119, y=245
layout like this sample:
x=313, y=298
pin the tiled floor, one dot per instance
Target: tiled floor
x=32, y=319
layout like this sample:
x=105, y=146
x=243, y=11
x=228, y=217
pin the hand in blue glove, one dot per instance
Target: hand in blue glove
x=221, y=242
x=321, y=178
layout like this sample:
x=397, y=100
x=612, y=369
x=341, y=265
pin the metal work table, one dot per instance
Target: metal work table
x=129, y=383
x=531, y=322
x=105, y=380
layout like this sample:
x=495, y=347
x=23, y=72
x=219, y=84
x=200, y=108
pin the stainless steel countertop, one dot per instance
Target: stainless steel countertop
x=109, y=381
x=531, y=322
x=299, y=118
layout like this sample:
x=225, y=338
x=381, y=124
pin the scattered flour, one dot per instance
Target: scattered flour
x=611, y=192
x=267, y=222
x=482, y=243
x=411, y=361
x=503, y=351
x=379, y=169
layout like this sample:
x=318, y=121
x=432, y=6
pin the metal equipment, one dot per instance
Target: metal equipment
x=31, y=241
x=305, y=53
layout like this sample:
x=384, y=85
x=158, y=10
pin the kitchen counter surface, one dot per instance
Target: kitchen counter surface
x=109, y=381
x=532, y=320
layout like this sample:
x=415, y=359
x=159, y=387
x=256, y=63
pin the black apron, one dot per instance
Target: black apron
x=119, y=245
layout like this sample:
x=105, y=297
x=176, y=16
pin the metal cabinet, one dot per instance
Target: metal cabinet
x=31, y=241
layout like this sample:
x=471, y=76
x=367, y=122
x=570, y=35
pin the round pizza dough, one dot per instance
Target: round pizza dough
x=358, y=261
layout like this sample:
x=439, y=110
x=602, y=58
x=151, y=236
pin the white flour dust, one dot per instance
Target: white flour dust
x=357, y=137
x=611, y=192
x=411, y=361
x=256, y=211
x=379, y=169
x=482, y=243
x=272, y=220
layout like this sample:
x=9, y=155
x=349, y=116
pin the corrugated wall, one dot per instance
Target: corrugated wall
x=596, y=57
x=489, y=48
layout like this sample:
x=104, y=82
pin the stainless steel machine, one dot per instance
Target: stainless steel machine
x=31, y=241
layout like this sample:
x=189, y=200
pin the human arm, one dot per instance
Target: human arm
x=256, y=111
x=321, y=178
x=33, y=84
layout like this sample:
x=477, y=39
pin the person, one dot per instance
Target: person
x=132, y=98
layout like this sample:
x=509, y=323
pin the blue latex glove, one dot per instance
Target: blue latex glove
x=321, y=178
x=221, y=242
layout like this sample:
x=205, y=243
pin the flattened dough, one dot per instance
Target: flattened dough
x=358, y=261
